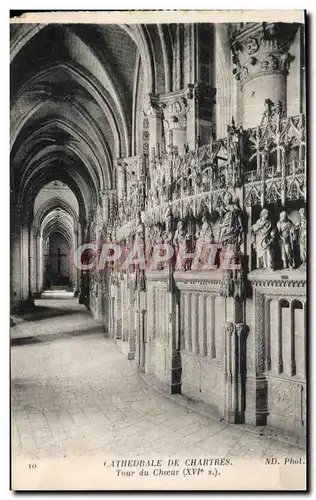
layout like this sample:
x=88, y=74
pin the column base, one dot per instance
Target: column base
x=118, y=329
x=131, y=346
x=23, y=305
x=84, y=300
x=235, y=417
x=257, y=419
x=257, y=401
x=175, y=374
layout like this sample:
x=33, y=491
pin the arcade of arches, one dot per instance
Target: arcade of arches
x=118, y=132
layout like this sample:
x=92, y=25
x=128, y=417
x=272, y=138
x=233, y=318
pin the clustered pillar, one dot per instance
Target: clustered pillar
x=22, y=276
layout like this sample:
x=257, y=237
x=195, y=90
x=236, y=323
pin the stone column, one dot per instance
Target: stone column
x=124, y=311
x=38, y=268
x=32, y=261
x=257, y=384
x=83, y=223
x=42, y=262
x=175, y=367
x=78, y=240
x=118, y=313
x=141, y=329
x=153, y=111
x=25, y=278
x=132, y=327
x=235, y=355
x=21, y=243
x=75, y=275
x=121, y=179
x=175, y=108
x=104, y=200
x=261, y=57
x=84, y=295
x=192, y=118
x=16, y=256
x=109, y=200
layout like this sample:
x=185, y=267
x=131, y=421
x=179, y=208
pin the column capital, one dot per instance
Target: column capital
x=260, y=48
x=121, y=164
x=106, y=193
x=230, y=327
x=152, y=106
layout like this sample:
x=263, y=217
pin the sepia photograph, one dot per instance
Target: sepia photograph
x=158, y=250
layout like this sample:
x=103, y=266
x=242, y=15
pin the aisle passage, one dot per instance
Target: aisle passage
x=73, y=392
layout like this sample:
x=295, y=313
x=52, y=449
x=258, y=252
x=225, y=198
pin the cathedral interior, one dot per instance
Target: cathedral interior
x=178, y=134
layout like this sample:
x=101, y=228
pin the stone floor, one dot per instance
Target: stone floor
x=73, y=392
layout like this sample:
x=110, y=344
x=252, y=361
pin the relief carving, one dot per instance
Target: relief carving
x=252, y=45
x=281, y=398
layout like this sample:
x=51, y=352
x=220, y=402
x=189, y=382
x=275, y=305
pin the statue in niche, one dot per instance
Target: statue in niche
x=180, y=242
x=264, y=237
x=286, y=232
x=302, y=236
x=204, y=237
x=231, y=227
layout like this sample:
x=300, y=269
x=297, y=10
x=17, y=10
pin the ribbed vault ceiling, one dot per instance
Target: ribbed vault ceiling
x=72, y=92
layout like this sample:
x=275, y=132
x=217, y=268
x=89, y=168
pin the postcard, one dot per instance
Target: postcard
x=158, y=250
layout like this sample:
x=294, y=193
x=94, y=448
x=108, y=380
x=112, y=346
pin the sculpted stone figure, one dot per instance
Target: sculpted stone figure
x=139, y=244
x=158, y=240
x=180, y=242
x=286, y=231
x=231, y=228
x=167, y=235
x=140, y=231
x=302, y=236
x=263, y=241
x=204, y=236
